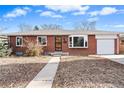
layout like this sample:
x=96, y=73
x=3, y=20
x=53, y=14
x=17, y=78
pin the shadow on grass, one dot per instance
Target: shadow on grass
x=89, y=73
x=18, y=75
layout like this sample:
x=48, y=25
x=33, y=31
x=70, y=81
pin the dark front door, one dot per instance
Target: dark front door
x=58, y=43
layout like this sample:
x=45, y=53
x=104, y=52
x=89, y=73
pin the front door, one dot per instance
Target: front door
x=58, y=43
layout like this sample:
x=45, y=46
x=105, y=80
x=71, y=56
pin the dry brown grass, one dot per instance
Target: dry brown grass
x=89, y=72
x=19, y=71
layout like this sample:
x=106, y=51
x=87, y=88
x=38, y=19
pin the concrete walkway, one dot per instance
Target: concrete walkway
x=45, y=77
x=115, y=58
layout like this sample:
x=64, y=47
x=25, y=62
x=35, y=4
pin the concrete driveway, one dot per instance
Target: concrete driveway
x=116, y=58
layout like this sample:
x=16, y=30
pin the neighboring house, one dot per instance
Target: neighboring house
x=122, y=43
x=4, y=39
x=69, y=41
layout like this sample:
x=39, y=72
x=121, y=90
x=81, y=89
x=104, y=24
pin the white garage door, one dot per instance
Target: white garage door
x=105, y=46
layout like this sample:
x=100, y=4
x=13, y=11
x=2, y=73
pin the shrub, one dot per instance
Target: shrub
x=4, y=50
x=32, y=49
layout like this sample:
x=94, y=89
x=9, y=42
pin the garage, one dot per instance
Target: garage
x=106, y=44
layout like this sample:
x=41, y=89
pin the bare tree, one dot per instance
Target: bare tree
x=92, y=25
x=51, y=27
x=25, y=27
x=86, y=25
x=36, y=28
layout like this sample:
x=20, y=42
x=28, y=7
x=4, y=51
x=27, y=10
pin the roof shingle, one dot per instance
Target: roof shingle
x=62, y=32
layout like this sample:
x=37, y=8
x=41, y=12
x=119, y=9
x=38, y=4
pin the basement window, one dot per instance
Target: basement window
x=42, y=40
x=78, y=41
x=19, y=41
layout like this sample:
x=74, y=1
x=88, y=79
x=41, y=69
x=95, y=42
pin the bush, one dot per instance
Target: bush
x=32, y=49
x=4, y=50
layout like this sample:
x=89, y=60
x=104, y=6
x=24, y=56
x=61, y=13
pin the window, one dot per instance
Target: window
x=42, y=40
x=19, y=41
x=78, y=41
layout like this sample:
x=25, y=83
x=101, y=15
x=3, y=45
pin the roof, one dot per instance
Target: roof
x=2, y=36
x=121, y=35
x=62, y=32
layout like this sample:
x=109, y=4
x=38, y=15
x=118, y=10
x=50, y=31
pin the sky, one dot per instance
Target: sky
x=108, y=18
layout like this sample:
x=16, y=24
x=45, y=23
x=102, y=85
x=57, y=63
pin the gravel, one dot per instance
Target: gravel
x=18, y=72
x=88, y=72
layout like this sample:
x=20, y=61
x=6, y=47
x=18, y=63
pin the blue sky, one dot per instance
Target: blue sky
x=109, y=18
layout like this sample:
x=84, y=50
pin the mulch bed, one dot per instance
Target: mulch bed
x=88, y=72
x=18, y=72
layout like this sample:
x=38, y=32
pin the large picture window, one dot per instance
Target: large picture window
x=78, y=41
x=19, y=41
x=42, y=40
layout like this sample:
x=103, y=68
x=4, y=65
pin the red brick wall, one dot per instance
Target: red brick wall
x=50, y=44
x=117, y=45
x=80, y=51
x=15, y=48
x=72, y=51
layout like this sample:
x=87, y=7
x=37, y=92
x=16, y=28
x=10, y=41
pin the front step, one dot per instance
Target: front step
x=59, y=54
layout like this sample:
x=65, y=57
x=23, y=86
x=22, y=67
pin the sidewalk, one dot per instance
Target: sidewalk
x=45, y=77
x=115, y=58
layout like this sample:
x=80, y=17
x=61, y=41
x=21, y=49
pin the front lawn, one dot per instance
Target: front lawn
x=19, y=71
x=88, y=72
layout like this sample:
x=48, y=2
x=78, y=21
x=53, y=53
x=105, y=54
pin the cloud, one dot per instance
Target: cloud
x=93, y=19
x=67, y=8
x=119, y=26
x=94, y=13
x=50, y=14
x=108, y=10
x=38, y=11
x=17, y=12
x=82, y=11
x=78, y=13
x=105, y=11
x=27, y=8
x=114, y=25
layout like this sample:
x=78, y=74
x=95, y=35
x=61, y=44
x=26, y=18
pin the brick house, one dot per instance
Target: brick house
x=68, y=41
x=121, y=44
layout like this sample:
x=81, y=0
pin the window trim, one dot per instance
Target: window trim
x=38, y=41
x=85, y=38
x=22, y=41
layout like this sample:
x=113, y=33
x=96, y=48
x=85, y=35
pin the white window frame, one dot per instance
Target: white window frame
x=85, y=39
x=20, y=38
x=38, y=41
